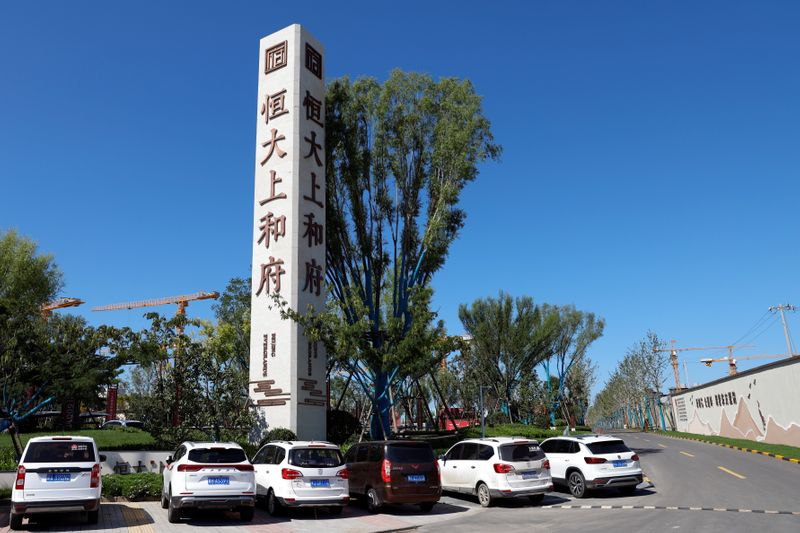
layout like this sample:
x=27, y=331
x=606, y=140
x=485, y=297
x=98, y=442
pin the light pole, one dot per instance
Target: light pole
x=483, y=412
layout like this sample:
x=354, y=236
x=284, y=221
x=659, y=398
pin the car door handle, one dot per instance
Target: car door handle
x=472, y=467
x=454, y=466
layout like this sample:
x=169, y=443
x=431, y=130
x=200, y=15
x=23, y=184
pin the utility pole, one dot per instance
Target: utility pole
x=782, y=308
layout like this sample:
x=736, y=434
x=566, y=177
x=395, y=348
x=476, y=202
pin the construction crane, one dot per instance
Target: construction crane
x=48, y=308
x=673, y=356
x=181, y=301
x=732, y=362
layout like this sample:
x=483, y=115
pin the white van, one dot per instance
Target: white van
x=56, y=475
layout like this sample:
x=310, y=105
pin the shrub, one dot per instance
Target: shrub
x=5, y=493
x=341, y=426
x=277, y=434
x=133, y=487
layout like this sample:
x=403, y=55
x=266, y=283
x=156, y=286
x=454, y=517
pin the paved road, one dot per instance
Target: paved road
x=691, y=493
x=688, y=485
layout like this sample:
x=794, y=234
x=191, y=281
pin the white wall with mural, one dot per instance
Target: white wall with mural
x=761, y=404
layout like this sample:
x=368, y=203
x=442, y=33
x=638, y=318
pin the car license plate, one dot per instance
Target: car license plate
x=219, y=480
x=618, y=464
x=58, y=477
x=529, y=475
x=320, y=483
x=416, y=478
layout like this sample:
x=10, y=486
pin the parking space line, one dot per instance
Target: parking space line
x=661, y=445
x=731, y=472
x=687, y=454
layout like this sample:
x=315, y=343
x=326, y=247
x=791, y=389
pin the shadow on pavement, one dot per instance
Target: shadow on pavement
x=646, y=451
x=611, y=494
x=549, y=499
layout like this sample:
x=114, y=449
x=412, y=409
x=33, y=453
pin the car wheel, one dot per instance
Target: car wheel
x=164, y=500
x=14, y=521
x=577, y=484
x=337, y=510
x=246, y=514
x=373, y=501
x=536, y=499
x=627, y=491
x=484, y=498
x=273, y=505
x=173, y=513
x=426, y=507
x=92, y=517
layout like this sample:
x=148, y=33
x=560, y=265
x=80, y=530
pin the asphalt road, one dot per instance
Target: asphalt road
x=744, y=497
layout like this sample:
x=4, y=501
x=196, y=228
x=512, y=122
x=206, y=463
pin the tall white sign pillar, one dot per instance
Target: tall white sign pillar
x=287, y=372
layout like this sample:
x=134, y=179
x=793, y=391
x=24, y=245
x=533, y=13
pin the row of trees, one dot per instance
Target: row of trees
x=631, y=395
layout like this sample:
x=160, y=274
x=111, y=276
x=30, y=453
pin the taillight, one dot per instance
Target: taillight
x=288, y=473
x=190, y=468
x=594, y=460
x=546, y=464
x=244, y=468
x=635, y=457
x=501, y=468
x=343, y=473
x=20, y=483
x=386, y=471
x=95, y=479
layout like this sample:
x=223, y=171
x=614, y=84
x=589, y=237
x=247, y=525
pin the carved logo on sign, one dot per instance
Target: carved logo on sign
x=276, y=57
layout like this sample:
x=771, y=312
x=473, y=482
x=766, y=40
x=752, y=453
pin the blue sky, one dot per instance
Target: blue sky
x=649, y=171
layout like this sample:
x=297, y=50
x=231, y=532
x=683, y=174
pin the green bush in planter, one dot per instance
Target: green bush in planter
x=133, y=487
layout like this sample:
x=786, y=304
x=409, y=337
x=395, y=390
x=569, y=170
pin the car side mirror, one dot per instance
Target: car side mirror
x=442, y=458
x=103, y=458
x=169, y=460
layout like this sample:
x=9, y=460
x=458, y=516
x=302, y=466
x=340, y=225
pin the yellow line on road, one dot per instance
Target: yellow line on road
x=687, y=454
x=661, y=445
x=731, y=472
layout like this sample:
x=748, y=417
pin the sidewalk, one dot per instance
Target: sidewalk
x=148, y=517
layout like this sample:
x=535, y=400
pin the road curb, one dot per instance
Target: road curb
x=732, y=447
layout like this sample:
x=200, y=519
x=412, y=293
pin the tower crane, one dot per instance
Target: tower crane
x=48, y=308
x=732, y=362
x=673, y=356
x=181, y=301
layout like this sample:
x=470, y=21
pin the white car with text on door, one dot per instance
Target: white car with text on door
x=498, y=467
x=209, y=475
x=57, y=474
x=301, y=474
x=585, y=462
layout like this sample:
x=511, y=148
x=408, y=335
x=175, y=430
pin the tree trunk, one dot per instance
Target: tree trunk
x=380, y=423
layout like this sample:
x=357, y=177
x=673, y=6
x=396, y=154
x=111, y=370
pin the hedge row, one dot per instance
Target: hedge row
x=133, y=487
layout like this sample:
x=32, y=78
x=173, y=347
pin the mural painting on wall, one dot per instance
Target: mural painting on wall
x=761, y=405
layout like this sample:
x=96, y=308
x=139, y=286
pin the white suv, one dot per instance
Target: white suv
x=301, y=474
x=499, y=467
x=585, y=462
x=57, y=474
x=209, y=475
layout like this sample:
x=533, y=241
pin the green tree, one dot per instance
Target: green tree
x=399, y=154
x=509, y=337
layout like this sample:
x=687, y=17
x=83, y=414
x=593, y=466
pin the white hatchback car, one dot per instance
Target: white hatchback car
x=499, y=467
x=209, y=475
x=57, y=474
x=301, y=474
x=584, y=462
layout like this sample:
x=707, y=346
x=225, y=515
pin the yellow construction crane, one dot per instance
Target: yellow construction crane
x=673, y=356
x=181, y=301
x=48, y=308
x=732, y=362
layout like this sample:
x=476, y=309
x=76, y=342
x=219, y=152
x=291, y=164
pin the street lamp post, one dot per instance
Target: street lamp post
x=483, y=412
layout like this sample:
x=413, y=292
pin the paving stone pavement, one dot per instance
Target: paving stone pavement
x=148, y=517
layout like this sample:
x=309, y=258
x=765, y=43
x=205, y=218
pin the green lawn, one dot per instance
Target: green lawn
x=777, y=449
x=106, y=439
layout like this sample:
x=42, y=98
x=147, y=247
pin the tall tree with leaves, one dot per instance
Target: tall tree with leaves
x=399, y=154
x=509, y=338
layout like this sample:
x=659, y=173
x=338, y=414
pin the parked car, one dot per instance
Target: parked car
x=209, y=475
x=57, y=474
x=122, y=423
x=301, y=474
x=585, y=462
x=389, y=472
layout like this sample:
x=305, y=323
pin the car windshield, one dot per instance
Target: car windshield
x=409, y=453
x=60, y=452
x=609, y=446
x=217, y=455
x=521, y=452
x=315, y=457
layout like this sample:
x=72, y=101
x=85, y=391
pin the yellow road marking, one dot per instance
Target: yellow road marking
x=661, y=445
x=687, y=454
x=731, y=472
